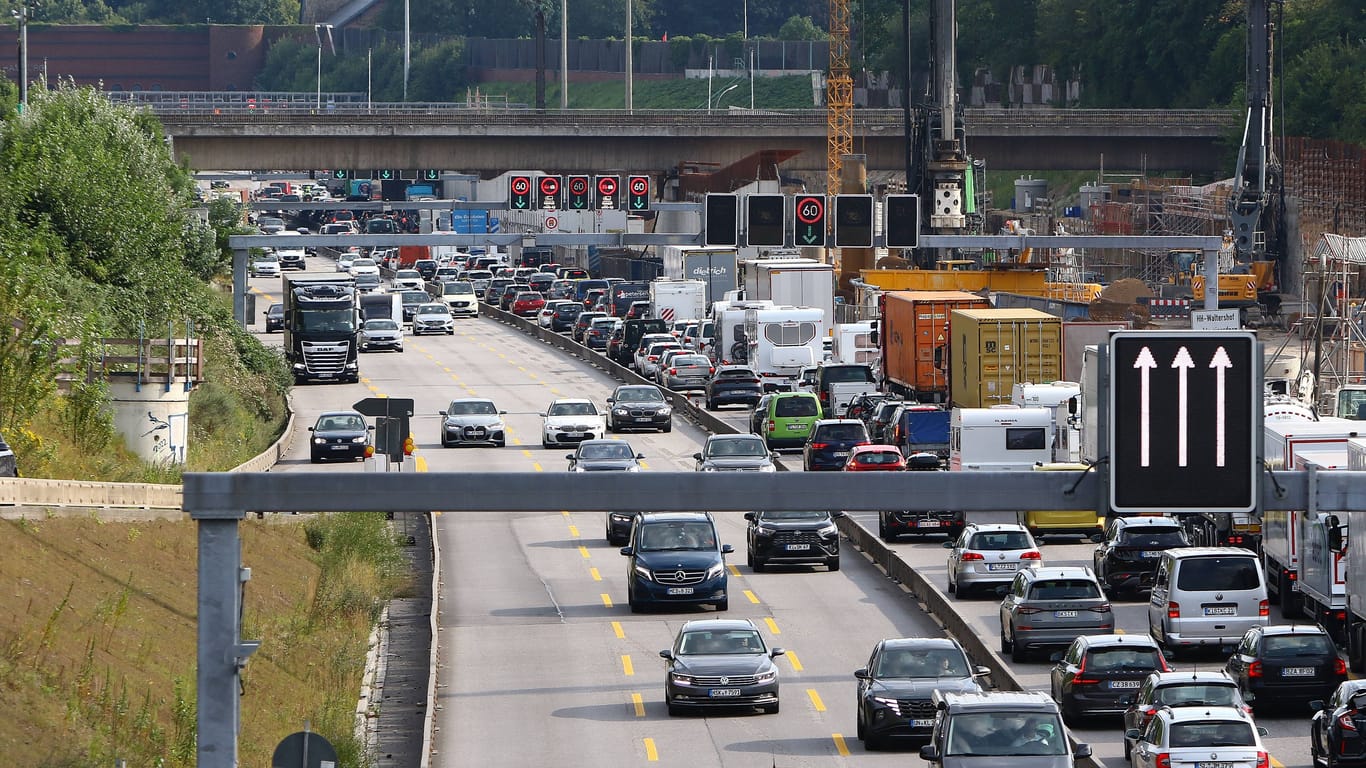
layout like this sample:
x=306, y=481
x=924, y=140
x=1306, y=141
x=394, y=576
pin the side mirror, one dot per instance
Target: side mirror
x=697, y=456
x=310, y=429
x=1262, y=731
x=750, y=515
x=726, y=549
x=542, y=415
x=862, y=674
x=627, y=551
x=950, y=544
x=836, y=515
x=640, y=455
x=611, y=400
x=569, y=456
x=929, y=753
x=443, y=413
x=1055, y=658
x=980, y=671
x=1132, y=733
x=666, y=654
x=502, y=413
x=1081, y=752
x=776, y=652
x=1097, y=538
x=1316, y=705
x=1003, y=590
x=1168, y=654
x=1127, y=701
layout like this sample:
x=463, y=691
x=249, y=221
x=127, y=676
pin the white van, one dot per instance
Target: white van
x=1002, y=438
x=1206, y=596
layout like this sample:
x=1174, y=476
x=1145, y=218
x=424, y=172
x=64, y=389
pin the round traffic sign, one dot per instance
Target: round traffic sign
x=521, y=185
x=550, y=185
x=607, y=186
x=551, y=222
x=640, y=185
x=578, y=185
x=810, y=210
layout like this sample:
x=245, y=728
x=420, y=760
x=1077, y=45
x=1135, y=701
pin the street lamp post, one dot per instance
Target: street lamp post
x=22, y=15
x=725, y=91
x=318, y=33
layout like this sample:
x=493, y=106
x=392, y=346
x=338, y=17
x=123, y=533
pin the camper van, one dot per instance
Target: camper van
x=781, y=342
x=1002, y=438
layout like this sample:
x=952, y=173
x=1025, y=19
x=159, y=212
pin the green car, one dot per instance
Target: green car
x=784, y=418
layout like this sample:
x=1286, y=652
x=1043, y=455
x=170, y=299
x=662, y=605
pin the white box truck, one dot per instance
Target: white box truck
x=717, y=266
x=780, y=342
x=1322, y=583
x=793, y=283
x=675, y=300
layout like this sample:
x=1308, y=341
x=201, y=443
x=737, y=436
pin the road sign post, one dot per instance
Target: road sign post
x=808, y=221
x=1185, y=418
x=391, y=416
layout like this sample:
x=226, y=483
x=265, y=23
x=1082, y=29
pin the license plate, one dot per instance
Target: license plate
x=1298, y=672
x=680, y=590
x=1064, y=614
x=1000, y=566
x=928, y=523
x=922, y=723
x=798, y=547
x=721, y=693
x=841, y=454
x=1221, y=610
x=1220, y=764
x=1147, y=554
x=339, y=447
x=1124, y=683
x=325, y=375
x=644, y=418
x=572, y=434
x=799, y=427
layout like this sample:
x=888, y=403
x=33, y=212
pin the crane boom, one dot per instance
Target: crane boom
x=1257, y=176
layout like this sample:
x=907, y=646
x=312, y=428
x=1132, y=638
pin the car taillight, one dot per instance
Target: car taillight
x=1339, y=667
x=1147, y=710
x=1237, y=541
x=711, y=370
x=1263, y=760
x=772, y=426
x=1080, y=678
x=1261, y=608
x=1346, y=723
x=1024, y=611
x=970, y=556
x=652, y=358
x=1102, y=608
x=1254, y=669
x=1032, y=554
x=1173, y=610
x=819, y=446
x=1164, y=760
x=673, y=371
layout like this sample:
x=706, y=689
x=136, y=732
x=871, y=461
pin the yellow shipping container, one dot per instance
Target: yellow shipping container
x=992, y=350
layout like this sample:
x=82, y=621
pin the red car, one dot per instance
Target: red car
x=874, y=458
x=527, y=304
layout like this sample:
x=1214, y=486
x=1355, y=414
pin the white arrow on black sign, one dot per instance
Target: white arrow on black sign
x=1182, y=362
x=1220, y=363
x=1145, y=363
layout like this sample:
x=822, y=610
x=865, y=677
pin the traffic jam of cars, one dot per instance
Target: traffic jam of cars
x=1183, y=688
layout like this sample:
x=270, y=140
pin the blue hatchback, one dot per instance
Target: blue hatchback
x=830, y=441
x=675, y=559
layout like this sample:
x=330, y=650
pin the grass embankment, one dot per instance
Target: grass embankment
x=789, y=92
x=97, y=651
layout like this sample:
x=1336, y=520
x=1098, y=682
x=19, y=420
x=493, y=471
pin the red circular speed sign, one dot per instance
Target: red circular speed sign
x=810, y=210
x=639, y=186
x=550, y=185
x=578, y=185
x=521, y=185
x=607, y=186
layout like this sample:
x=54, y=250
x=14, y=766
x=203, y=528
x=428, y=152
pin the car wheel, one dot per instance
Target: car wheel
x=749, y=557
x=668, y=427
x=1017, y=652
x=314, y=459
x=723, y=605
x=675, y=710
x=882, y=531
x=759, y=565
x=711, y=404
x=611, y=425
x=952, y=586
x=833, y=563
x=771, y=709
x=862, y=731
x=500, y=444
x=872, y=743
x=1005, y=644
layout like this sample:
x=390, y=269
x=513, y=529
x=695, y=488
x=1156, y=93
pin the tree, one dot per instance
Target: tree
x=801, y=28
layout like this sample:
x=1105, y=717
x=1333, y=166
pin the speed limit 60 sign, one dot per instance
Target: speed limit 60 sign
x=808, y=221
x=577, y=197
x=519, y=193
x=637, y=193
x=607, y=193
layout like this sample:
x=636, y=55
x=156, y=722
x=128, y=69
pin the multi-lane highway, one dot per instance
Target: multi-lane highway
x=540, y=658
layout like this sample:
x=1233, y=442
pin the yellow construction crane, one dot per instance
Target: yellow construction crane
x=839, y=98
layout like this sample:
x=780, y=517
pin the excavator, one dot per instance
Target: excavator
x=1247, y=269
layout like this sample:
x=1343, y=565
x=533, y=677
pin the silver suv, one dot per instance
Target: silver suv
x=971, y=726
x=1047, y=607
x=988, y=555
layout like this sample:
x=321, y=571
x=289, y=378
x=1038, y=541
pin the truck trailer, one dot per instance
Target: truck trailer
x=912, y=337
x=322, y=318
x=793, y=283
x=675, y=300
x=717, y=266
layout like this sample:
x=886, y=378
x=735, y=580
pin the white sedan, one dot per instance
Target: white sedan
x=364, y=266
x=405, y=279
x=571, y=420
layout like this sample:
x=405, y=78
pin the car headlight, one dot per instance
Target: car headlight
x=644, y=573
x=665, y=411
x=767, y=677
x=829, y=530
x=764, y=530
x=679, y=678
x=886, y=702
x=619, y=411
x=578, y=469
x=708, y=468
x=633, y=469
x=768, y=468
x=715, y=570
x=320, y=441
x=359, y=439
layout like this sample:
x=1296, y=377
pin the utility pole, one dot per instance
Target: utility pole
x=22, y=15
x=564, y=54
x=629, y=63
x=407, y=45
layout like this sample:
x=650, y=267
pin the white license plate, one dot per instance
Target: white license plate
x=841, y=454
x=1124, y=683
x=340, y=447
x=928, y=523
x=1297, y=672
x=1221, y=764
x=1000, y=566
x=1150, y=554
x=922, y=723
x=721, y=693
x=571, y=434
x=799, y=427
x=798, y=547
x=644, y=418
x=1064, y=614
x=1221, y=610
x=680, y=590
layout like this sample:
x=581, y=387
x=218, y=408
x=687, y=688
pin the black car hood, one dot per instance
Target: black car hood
x=796, y=525
x=339, y=434
x=723, y=664
x=686, y=559
x=920, y=687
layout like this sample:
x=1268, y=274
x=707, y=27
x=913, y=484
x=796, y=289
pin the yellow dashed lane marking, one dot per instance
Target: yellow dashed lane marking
x=772, y=625
x=638, y=704
x=584, y=551
x=606, y=599
x=421, y=464
x=651, y=754
x=616, y=629
x=734, y=570
x=815, y=699
x=644, y=465
x=626, y=666
x=840, y=746
x=750, y=595
x=525, y=452
x=574, y=531
x=594, y=573
x=792, y=659
x=537, y=466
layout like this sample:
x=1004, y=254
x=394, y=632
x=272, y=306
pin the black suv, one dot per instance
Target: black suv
x=792, y=538
x=564, y=317
x=1130, y=549
x=894, y=689
x=830, y=441
x=638, y=406
x=675, y=558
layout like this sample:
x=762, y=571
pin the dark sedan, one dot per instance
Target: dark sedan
x=792, y=538
x=718, y=663
x=564, y=317
x=732, y=385
x=604, y=456
x=1279, y=665
x=830, y=442
x=638, y=407
x=1335, y=733
x=275, y=318
x=341, y=435
x=895, y=689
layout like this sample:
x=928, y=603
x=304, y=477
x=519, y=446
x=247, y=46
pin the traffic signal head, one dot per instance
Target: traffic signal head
x=853, y=221
x=721, y=220
x=764, y=219
x=901, y=225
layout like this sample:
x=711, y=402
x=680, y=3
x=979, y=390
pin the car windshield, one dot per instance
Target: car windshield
x=528, y=296
x=1000, y=734
x=789, y=407
x=381, y=325
x=480, y=407
x=737, y=447
x=340, y=423
x=432, y=309
x=728, y=641
x=1063, y=589
x=921, y=662
x=1218, y=573
x=407, y=274
x=682, y=360
x=1196, y=695
x=1152, y=536
x=999, y=540
x=457, y=287
x=1117, y=659
x=612, y=449
x=572, y=409
x=1290, y=646
x=677, y=535
x=642, y=395
x=845, y=373
x=414, y=297
x=363, y=262
x=1225, y=733
x=735, y=373
x=325, y=320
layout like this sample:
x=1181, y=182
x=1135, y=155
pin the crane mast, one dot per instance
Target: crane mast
x=1256, y=181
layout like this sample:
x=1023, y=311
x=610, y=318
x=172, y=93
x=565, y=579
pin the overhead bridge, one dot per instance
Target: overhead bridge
x=491, y=141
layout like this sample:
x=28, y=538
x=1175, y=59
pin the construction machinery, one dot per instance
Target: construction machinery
x=941, y=171
x=1247, y=272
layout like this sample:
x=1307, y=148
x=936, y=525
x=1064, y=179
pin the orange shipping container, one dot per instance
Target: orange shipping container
x=408, y=255
x=913, y=339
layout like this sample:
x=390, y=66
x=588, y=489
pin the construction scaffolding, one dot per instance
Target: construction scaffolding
x=1333, y=337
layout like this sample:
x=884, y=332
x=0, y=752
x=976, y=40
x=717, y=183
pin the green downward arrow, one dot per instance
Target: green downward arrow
x=521, y=203
x=810, y=236
x=640, y=204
